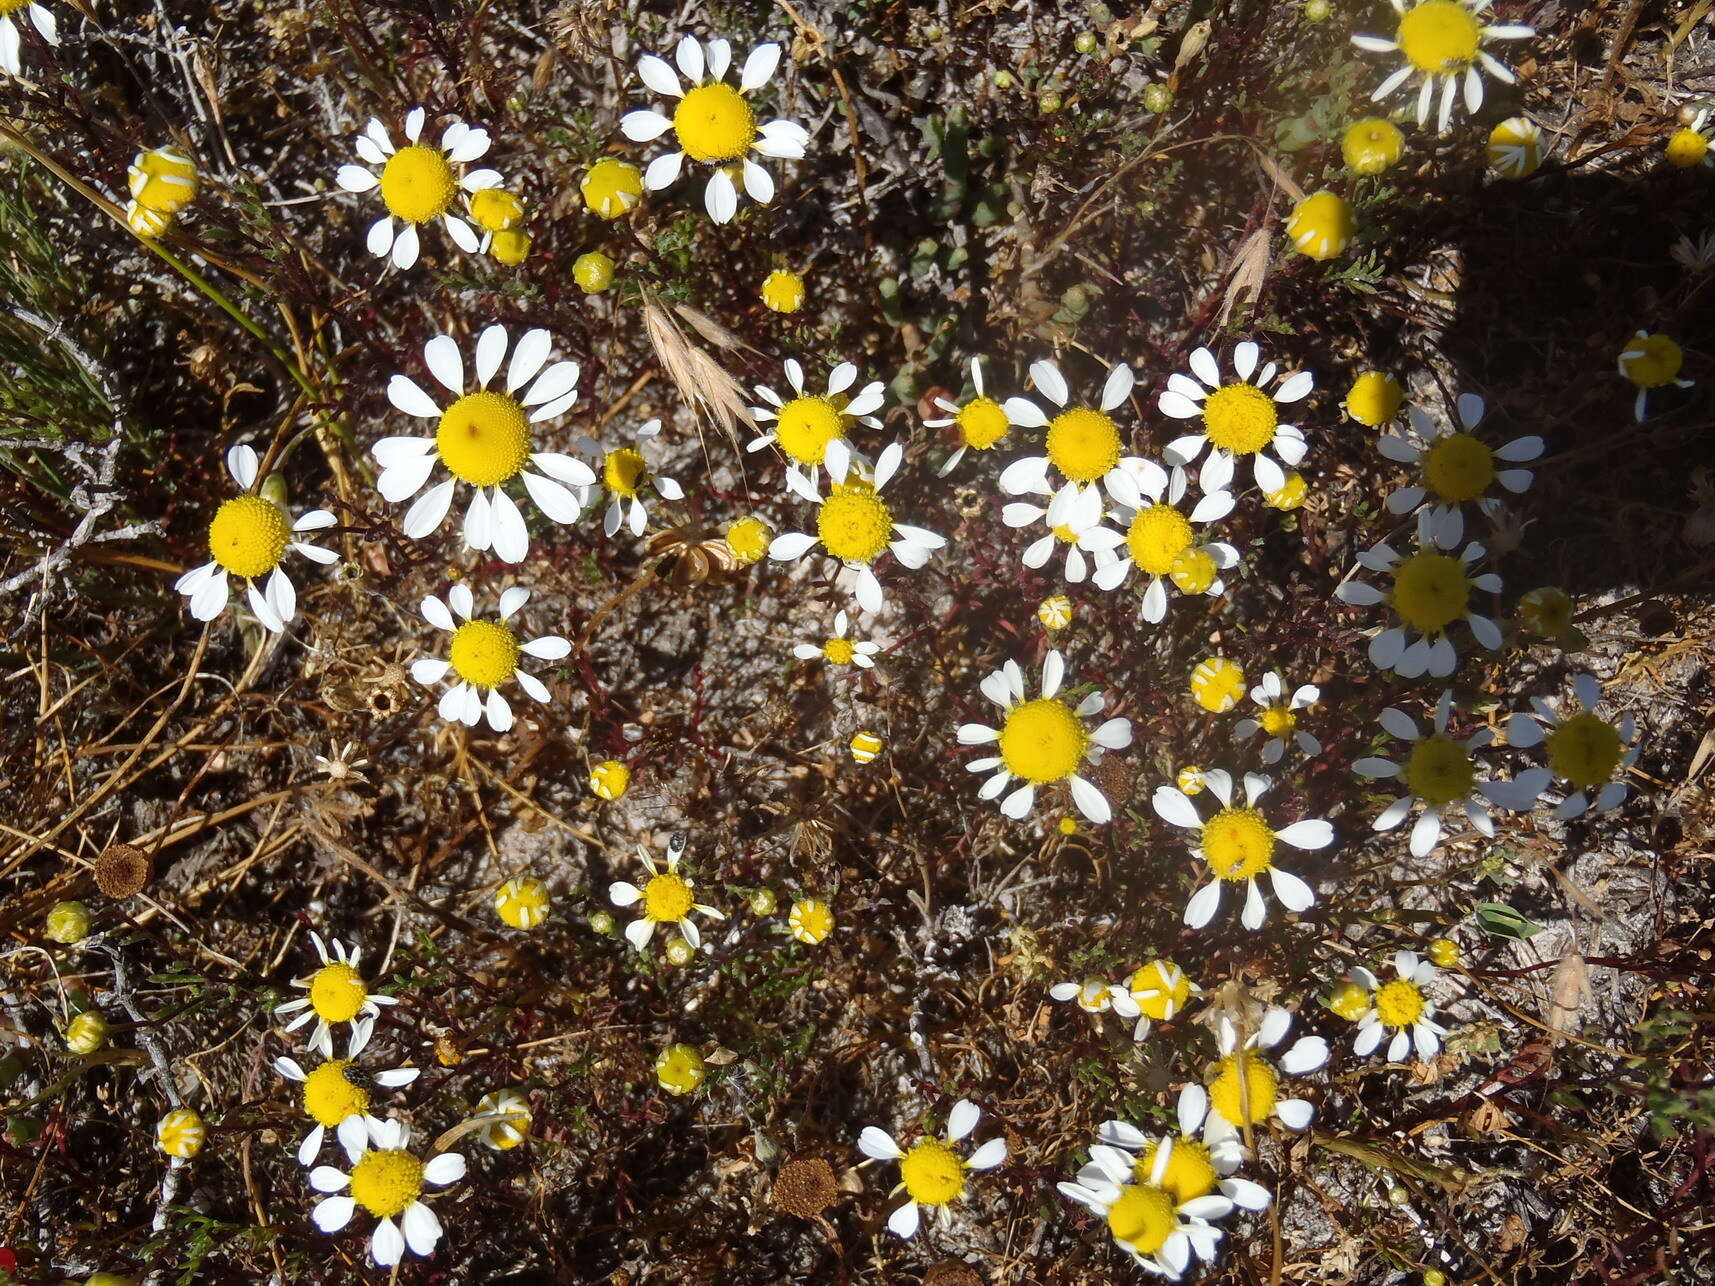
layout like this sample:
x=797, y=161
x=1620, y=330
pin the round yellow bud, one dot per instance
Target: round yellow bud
x=764, y=902
x=679, y=1069
x=1290, y=495
x=86, y=1033
x=522, y=902
x=511, y=247
x=496, y=210
x=1217, y=684
x=1374, y=399
x=748, y=538
x=1351, y=1000
x=611, y=187
x=1055, y=613
x=593, y=272
x=1372, y=145
x=180, y=1133
x=610, y=779
x=679, y=952
x=1444, y=953
x=1190, y=780
x=866, y=746
x=1321, y=226
x=68, y=922
x=810, y=921
x=783, y=292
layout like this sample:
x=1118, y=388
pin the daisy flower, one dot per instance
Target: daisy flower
x=1244, y=1086
x=1143, y=1208
x=387, y=1181
x=839, y=650
x=484, y=439
x=807, y=425
x=248, y=537
x=1402, y=1004
x=855, y=525
x=1457, y=467
x=1158, y=991
x=1584, y=750
x=1689, y=145
x=40, y=17
x=1042, y=741
x=337, y=994
x=509, y=1116
x=1096, y=540
x=1443, y=40
x=1194, y=1168
x=1240, y=417
x=1095, y=996
x=482, y=656
x=1431, y=591
x=982, y=422
x=1083, y=447
x=1279, y=718
x=1439, y=773
x=1650, y=362
x=419, y=183
x=1516, y=147
x=1163, y=543
x=336, y=1094
x=1238, y=844
x=667, y=899
x=931, y=1171
x=626, y=475
x=714, y=123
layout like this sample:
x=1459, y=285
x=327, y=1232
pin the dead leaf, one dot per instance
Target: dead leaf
x=1250, y=270
x=1568, y=995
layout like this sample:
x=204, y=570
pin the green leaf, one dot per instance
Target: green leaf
x=1501, y=921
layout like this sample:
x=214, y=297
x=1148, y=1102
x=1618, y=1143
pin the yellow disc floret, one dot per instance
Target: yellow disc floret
x=1374, y=398
x=714, y=123
x=610, y=779
x=1043, y=740
x=1083, y=444
x=624, y=472
x=484, y=438
x=1650, y=361
x=1430, y=591
x=839, y=651
x=932, y=1173
x=484, y=653
x=1238, y=844
x=782, y=291
x=1686, y=148
x=337, y=993
x=1399, y=1003
x=806, y=426
x=522, y=902
x=1244, y=1097
x=1439, y=36
x=386, y=1181
x=611, y=187
x=811, y=921
x=1157, y=536
x=666, y=898
x=331, y=1093
x=1440, y=771
x=1372, y=145
x=1142, y=1217
x=1159, y=988
x=248, y=535
x=418, y=184
x=1240, y=418
x=982, y=422
x=1278, y=721
x=1458, y=467
x=1444, y=953
x=1322, y=225
x=1585, y=750
x=854, y=525
x=1190, y=1171
x=593, y=272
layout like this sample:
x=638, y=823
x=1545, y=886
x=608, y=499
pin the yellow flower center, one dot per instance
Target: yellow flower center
x=1350, y=1000
x=1439, y=771
x=248, y=535
x=679, y=1069
x=806, y=426
x=417, y=184
x=982, y=423
x=1155, y=995
x=484, y=653
x=1240, y=418
x=1158, y=535
x=714, y=123
x=625, y=472
x=854, y=525
x=1043, y=740
x=1458, y=467
x=1142, y=1217
x=1238, y=844
x=782, y=291
x=11, y=6
x=331, y=1095
x=1585, y=750
x=1399, y=1003
x=483, y=438
x=1653, y=360
x=1193, y=571
x=1439, y=36
x=386, y=1182
x=337, y=993
x=1278, y=721
x=1083, y=444
x=612, y=187
x=1686, y=148
x=1256, y=1087
x=666, y=898
x=839, y=651
x=1217, y=684
x=811, y=921
x=1430, y=590
x=496, y=210
x=748, y=539
x=1190, y=1172
x=1374, y=398
x=932, y=1173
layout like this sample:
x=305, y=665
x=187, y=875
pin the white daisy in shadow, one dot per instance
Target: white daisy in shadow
x=483, y=655
x=1401, y=1005
x=1163, y=543
x=337, y=1093
x=1584, y=750
x=1442, y=40
x=420, y=183
x=932, y=1173
x=982, y=422
x=1240, y=417
x=1096, y=541
x=387, y=1181
x=1083, y=447
x=1456, y=467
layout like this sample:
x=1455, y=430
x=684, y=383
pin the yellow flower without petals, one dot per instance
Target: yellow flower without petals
x=1321, y=226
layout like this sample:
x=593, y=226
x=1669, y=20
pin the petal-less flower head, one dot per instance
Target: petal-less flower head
x=180, y=1133
x=163, y=180
x=810, y=921
x=420, y=183
x=249, y=536
x=1217, y=683
x=1279, y=718
x=1402, y=1005
x=1440, y=774
x=627, y=477
x=1442, y=40
x=1194, y=1168
x=1157, y=991
x=855, y=525
x=1043, y=741
x=1163, y=542
x=40, y=18
x=337, y=1093
x=1321, y=226
x=337, y=994
x=1455, y=467
x=1240, y=417
x=1244, y=1086
x=1083, y=447
x=982, y=422
x=1374, y=398
x=931, y=1171
x=1516, y=147
x=1651, y=361
x=714, y=123
x=1689, y=145
x=483, y=438
x=482, y=656
x=1584, y=750
x=668, y=898
x=522, y=902
x=783, y=291
x=808, y=425
x=839, y=649
x=1430, y=592
x=386, y=1180
x=1238, y=845
x=1096, y=540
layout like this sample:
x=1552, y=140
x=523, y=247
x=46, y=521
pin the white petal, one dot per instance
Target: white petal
x=445, y=362
x=759, y=67
x=962, y=1119
x=657, y=75
x=645, y=127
